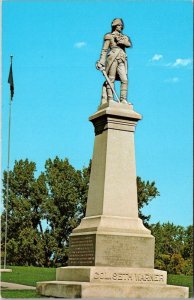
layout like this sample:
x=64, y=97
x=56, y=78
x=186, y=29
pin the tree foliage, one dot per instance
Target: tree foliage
x=26, y=199
x=146, y=192
x=42, y=211
x=64, y=185
x=173, y=248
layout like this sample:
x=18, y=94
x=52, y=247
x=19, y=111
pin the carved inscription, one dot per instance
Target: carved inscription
x=129, y=277
x=125, y=251
x=82, y=250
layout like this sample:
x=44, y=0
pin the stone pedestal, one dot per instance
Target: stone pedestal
x=111, y=252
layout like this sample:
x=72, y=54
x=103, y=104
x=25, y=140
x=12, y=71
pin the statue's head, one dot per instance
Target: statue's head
x=117, y=22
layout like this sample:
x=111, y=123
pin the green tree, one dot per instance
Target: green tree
x=146, y=192
x=169, y=238
x=26, y=249
x=26, y=197
x=173, y=248
x=187, y=249
x=162, y=261
x=176, y=264
x=64, y=204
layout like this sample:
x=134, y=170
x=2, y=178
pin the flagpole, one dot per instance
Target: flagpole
x=7, y=189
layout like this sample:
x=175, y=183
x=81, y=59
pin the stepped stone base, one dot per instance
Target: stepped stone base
x=110, y=282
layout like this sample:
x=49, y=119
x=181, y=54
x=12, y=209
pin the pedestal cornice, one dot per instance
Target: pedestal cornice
x=116, y=116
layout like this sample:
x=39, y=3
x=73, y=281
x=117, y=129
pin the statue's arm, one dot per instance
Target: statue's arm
x=104, y=52
x=102, y=61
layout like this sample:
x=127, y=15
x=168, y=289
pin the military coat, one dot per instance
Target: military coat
x=114, y=48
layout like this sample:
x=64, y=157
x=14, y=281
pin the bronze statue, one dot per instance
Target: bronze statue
x=113, y=62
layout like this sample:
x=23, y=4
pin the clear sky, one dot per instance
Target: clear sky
x=55, y=45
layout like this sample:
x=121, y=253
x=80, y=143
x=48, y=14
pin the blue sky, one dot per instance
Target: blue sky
x=55, y=45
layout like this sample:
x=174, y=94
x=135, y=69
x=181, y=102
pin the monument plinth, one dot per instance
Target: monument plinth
x=111, y=252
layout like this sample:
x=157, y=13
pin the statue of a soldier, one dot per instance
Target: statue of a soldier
x=113, y=62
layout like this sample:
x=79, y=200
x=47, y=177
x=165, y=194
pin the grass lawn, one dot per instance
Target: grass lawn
x=181, y=280
x=20, y=294
x=30, y=275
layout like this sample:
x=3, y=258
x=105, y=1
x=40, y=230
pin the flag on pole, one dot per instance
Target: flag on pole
x=10, y=81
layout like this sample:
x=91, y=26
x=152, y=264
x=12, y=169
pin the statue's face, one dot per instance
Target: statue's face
x=119, y=27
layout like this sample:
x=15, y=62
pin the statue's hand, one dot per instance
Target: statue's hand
x=100, y=66
x=119, y=41
x=117, y=38
x=124, y=40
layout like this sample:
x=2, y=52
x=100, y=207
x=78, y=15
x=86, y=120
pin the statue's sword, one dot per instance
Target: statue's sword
x=108, y=80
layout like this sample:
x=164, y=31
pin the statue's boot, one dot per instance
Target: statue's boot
x=123, y=93
x=104, y=93
x=110, y=92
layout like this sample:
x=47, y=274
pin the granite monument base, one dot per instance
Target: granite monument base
x=110, y=282
x=115, y=249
